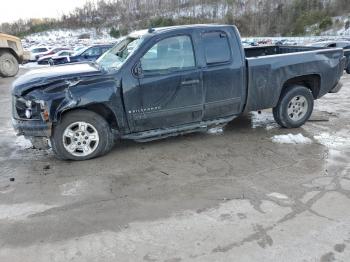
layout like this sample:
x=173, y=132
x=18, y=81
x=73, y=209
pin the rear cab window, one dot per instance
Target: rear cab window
x=216, y=47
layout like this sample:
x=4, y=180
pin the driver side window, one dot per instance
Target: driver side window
x=174, y=53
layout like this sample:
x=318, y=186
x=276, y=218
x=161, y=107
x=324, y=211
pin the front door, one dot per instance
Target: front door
x=170, y=86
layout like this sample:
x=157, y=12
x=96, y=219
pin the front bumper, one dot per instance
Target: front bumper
x=32, y=128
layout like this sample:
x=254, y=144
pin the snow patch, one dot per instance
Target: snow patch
x=23, y=143
x=278, y=196
x=291, y=139
x=216, y=130
x=332, y=141
x=263, y=120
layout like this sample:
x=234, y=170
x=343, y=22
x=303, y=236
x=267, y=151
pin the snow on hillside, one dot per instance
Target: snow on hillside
x=339, y=27
x=68, y=38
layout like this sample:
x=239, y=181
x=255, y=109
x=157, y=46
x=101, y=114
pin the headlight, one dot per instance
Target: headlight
x=28, y=113
x=32, y=109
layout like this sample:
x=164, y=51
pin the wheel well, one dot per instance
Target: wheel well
x=100, y=109
x=312, y=82
x=9, y=50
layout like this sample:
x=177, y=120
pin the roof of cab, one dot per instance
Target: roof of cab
x=140, y=33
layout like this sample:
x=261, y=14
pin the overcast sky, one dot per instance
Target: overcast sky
x=12, y=10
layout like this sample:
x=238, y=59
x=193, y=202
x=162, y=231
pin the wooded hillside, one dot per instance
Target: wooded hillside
x=253, y=17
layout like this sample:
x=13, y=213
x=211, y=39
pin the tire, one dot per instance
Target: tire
x=294, y=107
x=97, y=135
x=8, y=64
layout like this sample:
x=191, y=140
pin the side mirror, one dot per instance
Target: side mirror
x=137, y=70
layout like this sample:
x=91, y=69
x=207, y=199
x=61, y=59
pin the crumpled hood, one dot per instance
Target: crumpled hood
x=38, y=77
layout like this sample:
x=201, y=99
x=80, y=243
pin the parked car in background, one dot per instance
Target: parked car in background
x=247, y=43
x=51, y=52
x=340, y=44
x=337, y=44
x=45, y=60
x=35, y=51
x=90, y=53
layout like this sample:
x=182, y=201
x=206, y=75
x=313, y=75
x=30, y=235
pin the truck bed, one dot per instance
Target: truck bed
x=276, y=50
x=270, y=67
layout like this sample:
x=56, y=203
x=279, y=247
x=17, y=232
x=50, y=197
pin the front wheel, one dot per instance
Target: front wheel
x=294, y=107
x=81, y=135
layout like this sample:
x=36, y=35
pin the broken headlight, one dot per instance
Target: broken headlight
x=31, y=109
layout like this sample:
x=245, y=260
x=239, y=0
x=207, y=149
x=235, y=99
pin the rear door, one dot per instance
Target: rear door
x=223, y=74
x=171, y=86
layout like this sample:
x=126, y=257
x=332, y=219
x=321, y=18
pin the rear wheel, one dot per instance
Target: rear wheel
x=294, y=107
x=8, y=64
x=82, y=135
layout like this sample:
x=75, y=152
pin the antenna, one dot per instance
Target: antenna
x=151, y=29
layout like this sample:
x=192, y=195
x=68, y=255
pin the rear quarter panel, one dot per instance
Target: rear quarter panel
x=267, y=75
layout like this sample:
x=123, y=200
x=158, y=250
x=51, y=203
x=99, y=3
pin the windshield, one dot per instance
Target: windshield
x=81, y=50
x=115, y=57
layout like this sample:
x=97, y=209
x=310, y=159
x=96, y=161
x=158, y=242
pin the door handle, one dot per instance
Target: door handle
x=190, y=82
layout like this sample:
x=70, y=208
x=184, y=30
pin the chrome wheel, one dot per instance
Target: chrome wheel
x=297, y=108
x=80, y=139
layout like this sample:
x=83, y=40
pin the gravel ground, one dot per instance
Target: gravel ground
x=249, y=192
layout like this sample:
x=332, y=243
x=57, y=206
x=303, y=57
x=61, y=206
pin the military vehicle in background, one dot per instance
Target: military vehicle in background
x=11, y=55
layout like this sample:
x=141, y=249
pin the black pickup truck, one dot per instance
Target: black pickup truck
x=168, y=81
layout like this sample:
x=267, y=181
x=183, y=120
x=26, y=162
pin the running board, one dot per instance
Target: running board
x=156, y=134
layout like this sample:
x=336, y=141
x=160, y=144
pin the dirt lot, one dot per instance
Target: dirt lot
x=232, y=196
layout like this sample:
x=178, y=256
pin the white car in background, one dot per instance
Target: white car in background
x=36, y=51
x=59, y=55
x=45, y=59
